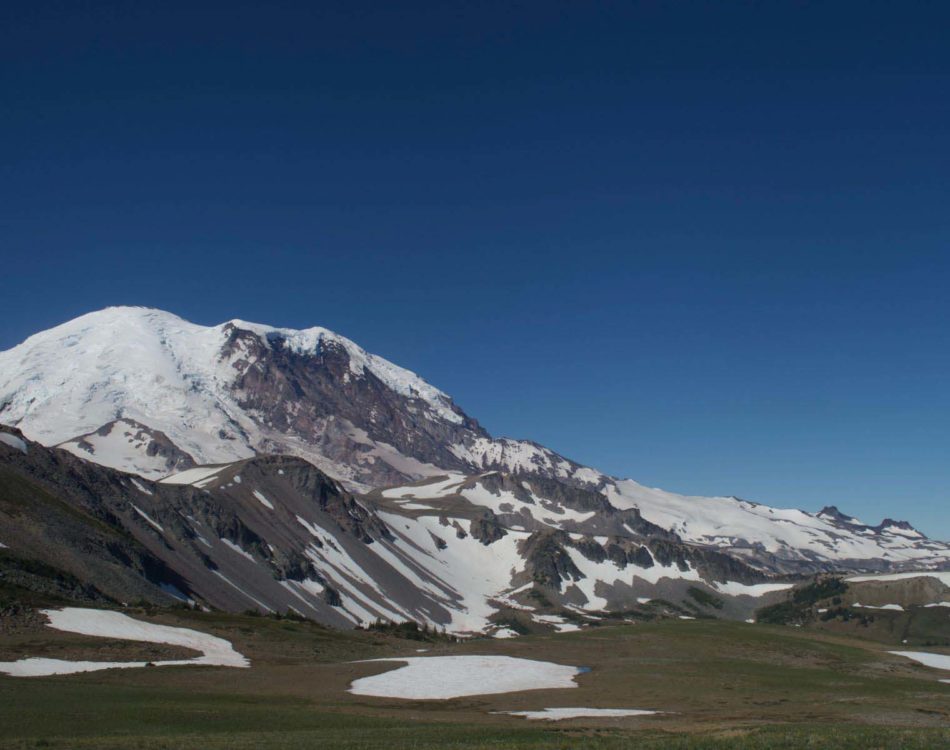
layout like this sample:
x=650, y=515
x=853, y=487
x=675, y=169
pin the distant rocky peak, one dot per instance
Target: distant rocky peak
x=832, y=513
x=903, y=528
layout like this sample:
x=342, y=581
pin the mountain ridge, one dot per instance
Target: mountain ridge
x=147, y=393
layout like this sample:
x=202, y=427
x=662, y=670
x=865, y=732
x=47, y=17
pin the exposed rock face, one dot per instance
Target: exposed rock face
x=61, y=536
x=486, y=528
x=297, y=393
x=547, y=560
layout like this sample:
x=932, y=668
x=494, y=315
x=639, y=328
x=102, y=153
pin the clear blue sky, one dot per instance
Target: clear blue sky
x=704, y=245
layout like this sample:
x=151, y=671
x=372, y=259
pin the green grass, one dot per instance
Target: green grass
x=78, y=713
x=705, y=598
x=719, y=684
x=117, y=718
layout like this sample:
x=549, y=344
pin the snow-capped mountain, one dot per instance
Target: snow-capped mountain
x=419, y=512
x=144, y=391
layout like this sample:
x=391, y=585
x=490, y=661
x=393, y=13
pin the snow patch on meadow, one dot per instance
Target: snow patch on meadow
x=442, y=677
x=895, y=607
x=561, y=624
x=559, y=714
x=107, y=624
x=937, y=661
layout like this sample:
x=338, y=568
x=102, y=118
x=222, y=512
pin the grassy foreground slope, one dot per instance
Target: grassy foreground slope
x=718, y=684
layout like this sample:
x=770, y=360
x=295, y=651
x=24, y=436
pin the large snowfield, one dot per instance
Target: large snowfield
x=106, y=624
x=443, y=677
x=937, y=661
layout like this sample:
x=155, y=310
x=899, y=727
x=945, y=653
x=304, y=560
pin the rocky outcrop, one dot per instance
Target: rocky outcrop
x=547, y=561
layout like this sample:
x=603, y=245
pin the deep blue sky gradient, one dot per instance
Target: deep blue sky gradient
x=704, y=245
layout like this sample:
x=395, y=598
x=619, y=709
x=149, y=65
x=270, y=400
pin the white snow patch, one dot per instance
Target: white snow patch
x=312, y=528
x=561, y=624
x=897, y=607
x=442, y=677
x=140, y=487
x=506, y=502
x=300, y=588
x=239, y=549
x=263, y=500
x=96, y=622
x=513, y=455
x=910, y=533
x=428, y=491
x=559, y=714
x=937, y=661
x=588, y=475
x=200, y=476
x=504, y=633
x=734, y=588
x=938, y=604
x=151, y=521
